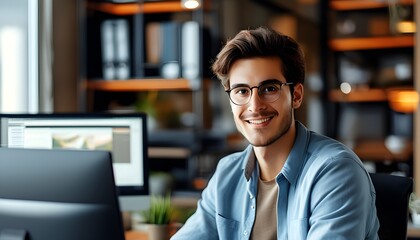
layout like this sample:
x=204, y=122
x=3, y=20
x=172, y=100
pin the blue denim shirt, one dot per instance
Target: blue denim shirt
x=324, y=193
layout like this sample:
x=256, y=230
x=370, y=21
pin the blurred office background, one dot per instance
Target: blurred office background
x=361, y=85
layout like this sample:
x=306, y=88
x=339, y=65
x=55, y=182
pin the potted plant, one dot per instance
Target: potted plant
x=158, y=217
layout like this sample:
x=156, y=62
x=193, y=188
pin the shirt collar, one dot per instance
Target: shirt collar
x=249, y=165
x=297, y=156
x=294, y=162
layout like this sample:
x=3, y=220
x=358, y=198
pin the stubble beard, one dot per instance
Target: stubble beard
x=282, y=131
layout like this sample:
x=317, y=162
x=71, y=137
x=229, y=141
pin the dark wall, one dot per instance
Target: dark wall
x=65, y=56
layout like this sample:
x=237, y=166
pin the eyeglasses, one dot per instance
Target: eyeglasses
x=268, y=91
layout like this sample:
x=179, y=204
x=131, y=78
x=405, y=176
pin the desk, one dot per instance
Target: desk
x=413, y=232
x=135, y=235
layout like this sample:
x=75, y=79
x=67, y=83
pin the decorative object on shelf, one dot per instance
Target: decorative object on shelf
x=401, y=18
x=395, y=69
x=403, y=100
x=396, y=144
x=353, y=69
x=170, y=70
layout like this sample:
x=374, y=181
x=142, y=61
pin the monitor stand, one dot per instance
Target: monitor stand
x=13, y=234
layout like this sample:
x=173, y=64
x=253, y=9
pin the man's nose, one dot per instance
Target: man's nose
x=256, y=103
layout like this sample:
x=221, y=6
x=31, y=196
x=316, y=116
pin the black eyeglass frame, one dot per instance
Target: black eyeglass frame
x=270, y=81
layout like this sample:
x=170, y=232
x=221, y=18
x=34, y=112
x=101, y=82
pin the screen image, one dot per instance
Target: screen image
x=124, y=135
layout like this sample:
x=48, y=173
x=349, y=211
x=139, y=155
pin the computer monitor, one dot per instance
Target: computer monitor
x=49, y=194
x=125, y=135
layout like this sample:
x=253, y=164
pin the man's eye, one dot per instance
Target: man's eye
x=269, y=89
x=241, y=91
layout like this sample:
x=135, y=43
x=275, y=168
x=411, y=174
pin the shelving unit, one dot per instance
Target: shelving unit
x=358, y=40
x=178, y=145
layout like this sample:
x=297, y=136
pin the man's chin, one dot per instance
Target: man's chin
x=260, y=143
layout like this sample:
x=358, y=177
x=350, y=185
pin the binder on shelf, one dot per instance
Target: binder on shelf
x=153, y=42
x=152, y=48
x=107, y=36
x=170, y=54
x=115, y=49
x=170, y=42
x=174, y=48
x=190, y=38
x=122, y=55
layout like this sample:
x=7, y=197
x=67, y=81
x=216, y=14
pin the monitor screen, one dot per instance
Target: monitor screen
x=58, y=194
x=124, y=135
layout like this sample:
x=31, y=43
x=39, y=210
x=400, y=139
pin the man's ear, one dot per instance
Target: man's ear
x=297, y=95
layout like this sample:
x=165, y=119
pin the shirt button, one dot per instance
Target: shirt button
x=251, y=197
x=252, y=206
x=245, y=232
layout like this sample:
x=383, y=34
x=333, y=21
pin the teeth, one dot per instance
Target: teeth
x=259, y=121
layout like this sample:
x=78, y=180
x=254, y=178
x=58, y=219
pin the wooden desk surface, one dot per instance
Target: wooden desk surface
x=412, y=231
x=135, y=235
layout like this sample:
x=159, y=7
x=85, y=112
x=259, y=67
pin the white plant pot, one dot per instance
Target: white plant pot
x=414, y=206
x=415, y=217
x=157, y=232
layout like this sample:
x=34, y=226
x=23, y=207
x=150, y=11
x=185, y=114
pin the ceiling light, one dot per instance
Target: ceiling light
x=191, y=4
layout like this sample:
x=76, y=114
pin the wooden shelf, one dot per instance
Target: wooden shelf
x=169, y=152
x=345, y=5
x=135, y=85
x=362, y=95
x=134, y=8
x=377, y=151
x=352, y=44
x=365, y=94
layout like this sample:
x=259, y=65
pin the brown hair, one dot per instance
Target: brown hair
x=261, y=42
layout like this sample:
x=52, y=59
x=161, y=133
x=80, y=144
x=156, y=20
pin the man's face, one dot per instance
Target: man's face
x=262, y=123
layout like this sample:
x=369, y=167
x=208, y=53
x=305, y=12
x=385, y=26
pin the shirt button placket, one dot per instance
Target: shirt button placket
x=252, y=203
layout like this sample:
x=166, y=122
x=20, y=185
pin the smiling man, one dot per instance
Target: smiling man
x=289, y=183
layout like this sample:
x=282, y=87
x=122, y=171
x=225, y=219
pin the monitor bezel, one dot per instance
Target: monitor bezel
x=122, y=190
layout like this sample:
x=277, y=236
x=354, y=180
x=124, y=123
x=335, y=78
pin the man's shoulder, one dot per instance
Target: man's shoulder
x=323, y=144
x=323, y=151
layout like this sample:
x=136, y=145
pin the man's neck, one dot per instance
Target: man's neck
x=271, y=158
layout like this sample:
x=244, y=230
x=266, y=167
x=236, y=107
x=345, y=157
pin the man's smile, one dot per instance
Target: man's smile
x=259, y=121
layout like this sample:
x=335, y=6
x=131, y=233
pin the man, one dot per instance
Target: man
x=289, y=183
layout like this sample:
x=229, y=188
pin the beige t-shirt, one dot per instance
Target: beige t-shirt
x=265, y=225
